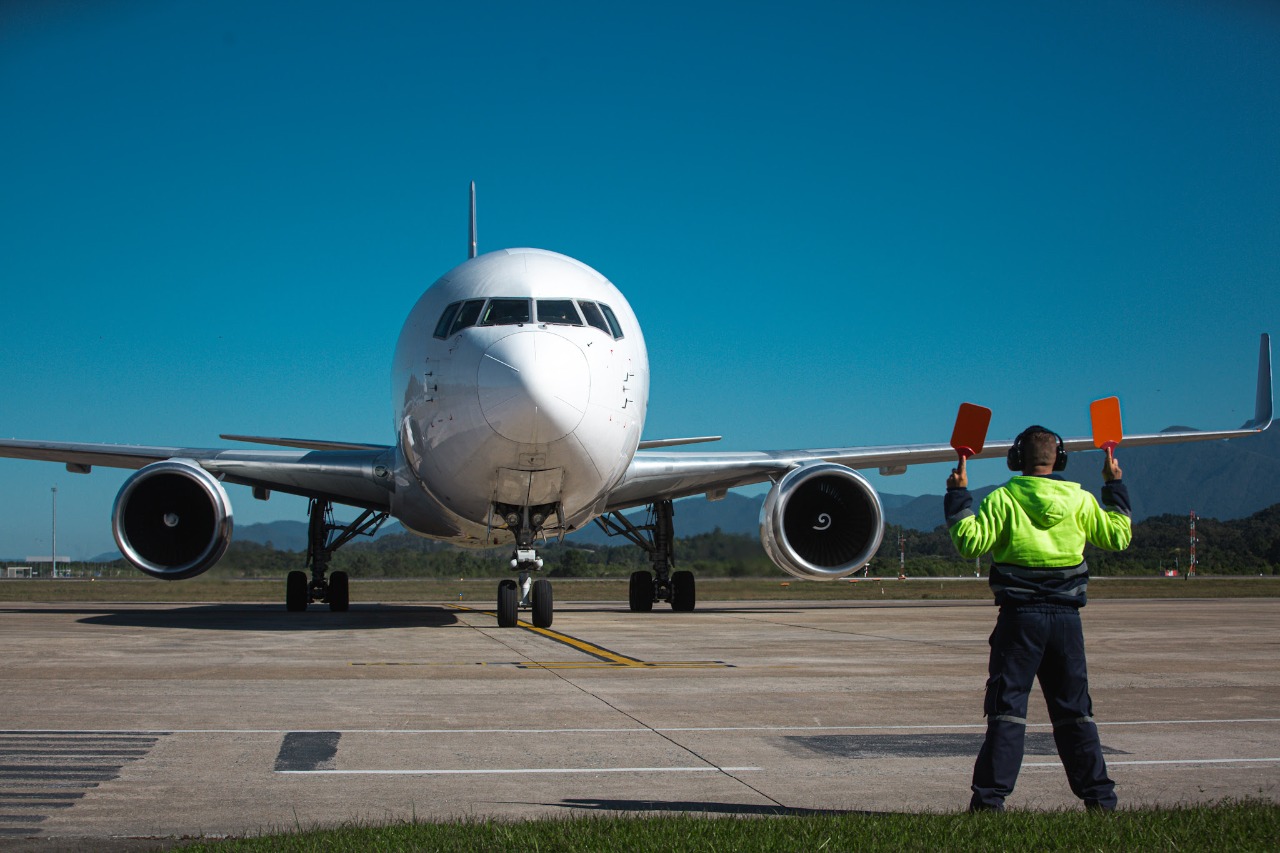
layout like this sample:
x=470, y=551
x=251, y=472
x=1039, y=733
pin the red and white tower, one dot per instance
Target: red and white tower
x=1191, y=564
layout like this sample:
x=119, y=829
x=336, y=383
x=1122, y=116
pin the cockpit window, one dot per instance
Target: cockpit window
x=467, y=315
x=594, y=318
x=446, y=320
x=612, y=320
x=601, y=316
x=558, y=311
x=505, y=312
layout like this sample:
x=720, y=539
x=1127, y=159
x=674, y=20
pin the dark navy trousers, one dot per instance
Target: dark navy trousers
x=1045, y=641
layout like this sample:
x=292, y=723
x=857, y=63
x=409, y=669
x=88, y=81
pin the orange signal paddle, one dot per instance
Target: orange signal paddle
x=970, y=432
x=1107, y=428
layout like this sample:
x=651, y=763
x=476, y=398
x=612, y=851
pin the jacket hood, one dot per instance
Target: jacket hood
x=1046, y=501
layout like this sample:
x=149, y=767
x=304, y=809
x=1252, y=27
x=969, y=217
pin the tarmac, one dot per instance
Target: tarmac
x=144, y=721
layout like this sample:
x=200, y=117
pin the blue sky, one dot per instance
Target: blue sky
x=836, y=221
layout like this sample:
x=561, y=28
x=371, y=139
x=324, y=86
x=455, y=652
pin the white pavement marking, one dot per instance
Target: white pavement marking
x=881, y=728
x=513, y=771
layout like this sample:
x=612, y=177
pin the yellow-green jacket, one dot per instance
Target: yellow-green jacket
x=1035, y=529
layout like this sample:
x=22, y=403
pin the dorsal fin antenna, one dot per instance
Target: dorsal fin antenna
x=471, y=249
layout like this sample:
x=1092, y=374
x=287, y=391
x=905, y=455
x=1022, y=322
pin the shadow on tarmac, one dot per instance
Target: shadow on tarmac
x=266, y=617
x=661, y=609
x=698, y=807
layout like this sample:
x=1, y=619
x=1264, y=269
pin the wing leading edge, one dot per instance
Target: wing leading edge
x=358, y=477
x=667, y=476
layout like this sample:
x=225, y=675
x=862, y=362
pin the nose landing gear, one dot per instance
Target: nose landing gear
x=525, y=592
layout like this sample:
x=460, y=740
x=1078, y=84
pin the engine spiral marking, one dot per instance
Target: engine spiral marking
x=824, y=522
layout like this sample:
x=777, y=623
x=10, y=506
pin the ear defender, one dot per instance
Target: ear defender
x=1014, y=459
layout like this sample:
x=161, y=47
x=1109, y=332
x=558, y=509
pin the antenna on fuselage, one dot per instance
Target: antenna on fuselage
x=471, y=250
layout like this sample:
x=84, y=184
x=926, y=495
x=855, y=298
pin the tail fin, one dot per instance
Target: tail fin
x=472, y=247
x=1262, y=409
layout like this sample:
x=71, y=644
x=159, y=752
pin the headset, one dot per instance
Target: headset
x=1015, y=452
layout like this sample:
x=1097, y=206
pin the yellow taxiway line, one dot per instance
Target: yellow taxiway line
x=604, y=658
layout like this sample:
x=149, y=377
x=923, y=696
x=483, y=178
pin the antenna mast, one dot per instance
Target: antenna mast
x=1191, y=563
x=471, y=249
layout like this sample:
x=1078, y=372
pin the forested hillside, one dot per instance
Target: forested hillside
x=1242, y=546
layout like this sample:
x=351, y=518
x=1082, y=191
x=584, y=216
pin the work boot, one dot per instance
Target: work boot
x=977, y=805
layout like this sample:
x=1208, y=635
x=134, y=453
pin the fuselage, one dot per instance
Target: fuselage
x=520, y=381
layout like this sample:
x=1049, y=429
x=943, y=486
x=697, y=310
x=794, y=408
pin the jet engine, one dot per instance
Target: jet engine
x=821, y=522
x=172, y=520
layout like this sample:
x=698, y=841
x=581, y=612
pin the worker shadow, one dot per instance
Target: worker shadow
x=273, y=617
x=704, y=807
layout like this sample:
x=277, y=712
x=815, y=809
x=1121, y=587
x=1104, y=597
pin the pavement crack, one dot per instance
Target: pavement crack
x=664, y=736
x=864, y=634
x=641, y=724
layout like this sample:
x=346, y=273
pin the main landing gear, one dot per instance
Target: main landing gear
x=323, y=538
x=525, y=522
x=657, y=538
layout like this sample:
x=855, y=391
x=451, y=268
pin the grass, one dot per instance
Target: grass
x=1235, y=826
x=483, y=590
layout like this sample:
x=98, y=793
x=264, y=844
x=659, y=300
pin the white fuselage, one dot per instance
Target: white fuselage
x=530, y=393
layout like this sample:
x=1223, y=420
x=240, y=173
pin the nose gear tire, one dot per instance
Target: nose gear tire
x=542, y=603
x=508, y=603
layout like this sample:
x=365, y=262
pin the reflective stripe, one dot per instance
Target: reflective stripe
x=1005, y=718
x=1065, y=585
x=959, y=516
x=1076, y=591
x=1025, y=573
x=1076, y=721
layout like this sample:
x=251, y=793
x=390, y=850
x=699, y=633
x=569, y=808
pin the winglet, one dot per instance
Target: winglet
x=471, y=249
x=1262, y=409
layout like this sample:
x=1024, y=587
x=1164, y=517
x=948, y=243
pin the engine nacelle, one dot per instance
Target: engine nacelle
x=821, y=522
x=172, y=520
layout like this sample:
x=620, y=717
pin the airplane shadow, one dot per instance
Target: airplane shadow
x=659, y=610
x=271, y=617
x=698, y=807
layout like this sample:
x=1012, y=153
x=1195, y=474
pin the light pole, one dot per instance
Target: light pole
x=53, y=558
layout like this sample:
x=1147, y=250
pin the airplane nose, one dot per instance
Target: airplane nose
x=534, y=387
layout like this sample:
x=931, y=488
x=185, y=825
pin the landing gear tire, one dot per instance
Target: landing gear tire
x=508, y=603
x=640, y=592
x=296, y=594
x=339, y=592
x=683, y=593
x=542, y=603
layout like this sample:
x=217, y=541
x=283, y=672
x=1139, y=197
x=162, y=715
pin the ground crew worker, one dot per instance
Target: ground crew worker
x=1035, y=527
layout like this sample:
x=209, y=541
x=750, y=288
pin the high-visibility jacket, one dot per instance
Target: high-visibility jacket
x=1036, y=529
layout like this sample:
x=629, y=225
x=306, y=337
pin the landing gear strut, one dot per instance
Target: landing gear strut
x=321, y=543
x=657, y=538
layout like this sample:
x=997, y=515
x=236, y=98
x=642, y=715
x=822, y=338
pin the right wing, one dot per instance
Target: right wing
x=357, y=475
x=656, y=476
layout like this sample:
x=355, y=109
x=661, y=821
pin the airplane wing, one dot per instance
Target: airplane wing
x=357, y=475
x=656, y=476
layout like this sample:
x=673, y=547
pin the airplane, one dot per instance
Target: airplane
x=520, y=383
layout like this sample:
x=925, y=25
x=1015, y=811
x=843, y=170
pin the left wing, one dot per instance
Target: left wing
x=667, y=476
